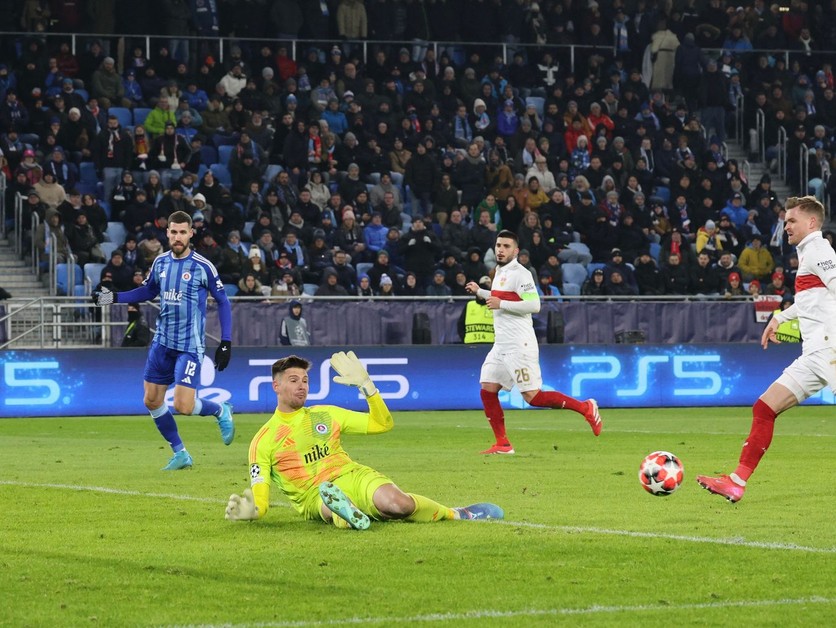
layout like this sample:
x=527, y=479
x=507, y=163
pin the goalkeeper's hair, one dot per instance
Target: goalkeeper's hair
x=180, y=217
x=505, y=233
x=808, y=205
x=290, y=362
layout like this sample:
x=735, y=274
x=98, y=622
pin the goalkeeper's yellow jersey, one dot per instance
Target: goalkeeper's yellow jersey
x=300, y=450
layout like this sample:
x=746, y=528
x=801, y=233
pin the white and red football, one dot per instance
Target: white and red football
x=661, y=473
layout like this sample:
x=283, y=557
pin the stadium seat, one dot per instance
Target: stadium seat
x=122, y=114
x=571, y=289
x=309, y=288
x=246, y=234
x=655, y=250
x=140, y=113
x=208, y=155
x=108, y=248
x=663, y=193
x=224, y=153
x=364, y=268
x=87, y=187
x=106, y=207
x=116, y=233
x=83, y=93
x=574, y=273
x=222, y=174
x=591, y=268
x=580, y=247
x=271, y=172
x=538, y=102
x=87, y=172
x=230, y=289
x=62, y=280
x=201, y=170
x=92, y=275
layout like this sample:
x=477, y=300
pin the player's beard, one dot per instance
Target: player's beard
x=506, y=262
x=182, y=249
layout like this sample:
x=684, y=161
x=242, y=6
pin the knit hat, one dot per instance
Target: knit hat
x=254, y=251
x=385, y=280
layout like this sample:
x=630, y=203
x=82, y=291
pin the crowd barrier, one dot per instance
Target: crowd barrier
x=91, y=383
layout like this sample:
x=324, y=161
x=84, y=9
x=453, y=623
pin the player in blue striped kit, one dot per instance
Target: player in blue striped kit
x=182, y=279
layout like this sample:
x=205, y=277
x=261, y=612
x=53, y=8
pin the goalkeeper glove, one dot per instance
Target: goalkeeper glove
x=351, y=372
x=222, y=355
x=241, y=507
x=104, y=297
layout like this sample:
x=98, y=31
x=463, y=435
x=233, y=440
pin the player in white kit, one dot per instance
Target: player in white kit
x=514, y=359
x=815, y=309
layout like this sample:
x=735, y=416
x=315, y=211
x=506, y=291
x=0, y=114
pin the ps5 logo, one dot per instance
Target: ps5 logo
x=684, y=375
x=38, y=391
x=401, y=382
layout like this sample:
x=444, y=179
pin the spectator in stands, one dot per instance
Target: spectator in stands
x=595, y=285
x=84, y=241
x=756, y=261
x=249, y=286
x=350, y=238
x=137, y=334
x=120, y=273
x=649, y=278
x=704, y=279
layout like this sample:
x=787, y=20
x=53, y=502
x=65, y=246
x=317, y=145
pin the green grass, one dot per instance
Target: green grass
x=160, y=553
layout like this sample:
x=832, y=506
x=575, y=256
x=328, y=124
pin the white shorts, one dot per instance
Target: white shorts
x=809, y=373
x=513, y=367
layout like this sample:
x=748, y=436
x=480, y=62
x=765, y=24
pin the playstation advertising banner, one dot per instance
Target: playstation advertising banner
x=96, y=382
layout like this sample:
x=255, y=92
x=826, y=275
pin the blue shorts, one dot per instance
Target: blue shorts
x=165, y=366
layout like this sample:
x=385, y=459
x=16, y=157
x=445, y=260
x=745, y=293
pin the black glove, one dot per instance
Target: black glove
x=222, y=355
x=104, y=297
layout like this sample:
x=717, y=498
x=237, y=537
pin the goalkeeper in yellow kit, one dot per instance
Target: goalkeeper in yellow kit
x=299, y=449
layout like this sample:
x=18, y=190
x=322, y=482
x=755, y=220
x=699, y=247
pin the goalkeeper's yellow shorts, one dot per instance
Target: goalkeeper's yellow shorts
x=359, y=484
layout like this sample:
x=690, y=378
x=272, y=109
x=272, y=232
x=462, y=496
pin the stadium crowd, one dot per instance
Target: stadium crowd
x=394, y=176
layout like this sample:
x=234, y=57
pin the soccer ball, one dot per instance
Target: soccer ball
x=661, y=473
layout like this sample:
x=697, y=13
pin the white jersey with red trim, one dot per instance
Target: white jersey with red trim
x=815, y=293
x=514, y=284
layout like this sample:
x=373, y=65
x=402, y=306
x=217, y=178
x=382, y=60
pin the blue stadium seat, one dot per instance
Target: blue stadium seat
x=122, y=114
x=246, y=234
x=591, y=268
x=62, y=280
x=224, y=153
x=230, y=289
x=201, y=170
x=87, y=172
x=209, y=155
x=309, y=288
x=571, y=289
x=271, y=172
x=92, y=275
x=574, y=273
x=108, y=248
x=116, y=233
x=539, y=103
x=663, y=193
x=87, y=187
x=222, y=174
x=140, y=113
x=83, y=93
x=580, y=247
x=106, y=207
x=655, y=250
x=364, y=268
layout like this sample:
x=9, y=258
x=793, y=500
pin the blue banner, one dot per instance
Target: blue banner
x=95, y=382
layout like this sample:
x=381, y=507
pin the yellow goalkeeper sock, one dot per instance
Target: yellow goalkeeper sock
x=427, y=510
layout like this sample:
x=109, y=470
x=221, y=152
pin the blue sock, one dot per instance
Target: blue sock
x=204, y=407
x=168, y=427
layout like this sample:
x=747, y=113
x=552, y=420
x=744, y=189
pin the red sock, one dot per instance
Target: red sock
x=760, y=437
x=554, y=399
x=496, y=417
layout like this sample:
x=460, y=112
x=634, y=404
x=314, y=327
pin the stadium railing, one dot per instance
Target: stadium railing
x=73, y=322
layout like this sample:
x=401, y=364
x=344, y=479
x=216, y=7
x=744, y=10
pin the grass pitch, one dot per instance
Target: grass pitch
x=92, y=532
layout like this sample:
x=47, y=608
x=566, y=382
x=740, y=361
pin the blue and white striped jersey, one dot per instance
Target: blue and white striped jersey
x=182, y=285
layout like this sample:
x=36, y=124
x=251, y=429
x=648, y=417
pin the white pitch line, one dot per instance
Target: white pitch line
x=534, y=612
x=608, y=430
x=737, y=542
